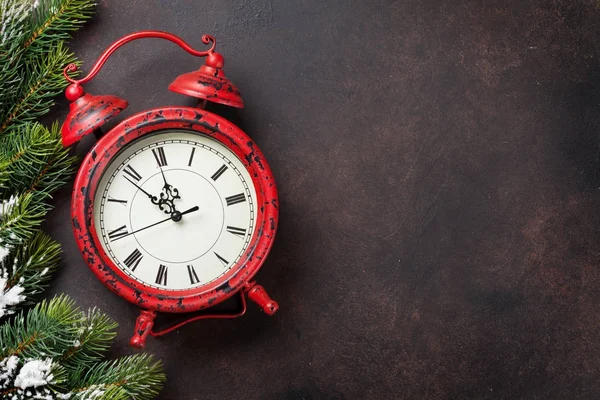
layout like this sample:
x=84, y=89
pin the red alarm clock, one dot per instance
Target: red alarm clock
x=175, y=208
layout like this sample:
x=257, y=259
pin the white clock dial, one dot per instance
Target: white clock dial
x=175, y=210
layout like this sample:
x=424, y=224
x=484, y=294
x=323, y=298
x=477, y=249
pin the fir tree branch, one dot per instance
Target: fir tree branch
x=34, y=160
x=138, y=376
x=22, y=220
x=46, y=331
x=54, y=19
x=14, y=15
x=50, y=330
x=35, y=261
x=95, y=334
x=36, y=95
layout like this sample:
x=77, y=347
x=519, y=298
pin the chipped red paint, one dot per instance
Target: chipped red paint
x=209, y=83
x=201, y=122
x=87, y=114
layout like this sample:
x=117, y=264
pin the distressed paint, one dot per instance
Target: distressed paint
x=208, y=83
x=87, y=114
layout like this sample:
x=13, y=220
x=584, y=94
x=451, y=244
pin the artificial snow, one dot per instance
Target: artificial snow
x=4, y=251
x=34, y=373
x=8, y=366
x=91, y=393
x=9, y=298
x=7, y=206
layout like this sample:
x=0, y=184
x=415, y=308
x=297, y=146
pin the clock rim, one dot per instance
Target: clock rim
x=152, y=121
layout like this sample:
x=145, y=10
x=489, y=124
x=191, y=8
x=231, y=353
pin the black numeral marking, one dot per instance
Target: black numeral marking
x=224, y=261
x=117, y=201
x=117, y=233
x=192, y=274
x=132, y=173
x=133, y=260
x=241, y=232
x=161, y=277
x=191, y=157
x=159, y=155
x=219, y=172
x=238, y=198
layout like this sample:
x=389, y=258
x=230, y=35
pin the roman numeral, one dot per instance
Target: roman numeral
x=117, y=201
x=236, y=231
x=161, y=277
x=132, y=173
x=133, y=260
x=159, y=155
x=117, y=233
x=223, y=261
x=192, y=274
x=191, y=157
x=219, y=172
x=238, y=198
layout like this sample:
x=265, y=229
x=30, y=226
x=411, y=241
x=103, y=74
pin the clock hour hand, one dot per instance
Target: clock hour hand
x=176, y=217
x=168, y=195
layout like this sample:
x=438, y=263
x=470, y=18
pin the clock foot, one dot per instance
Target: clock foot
x=143, y=327
x=145, y=321
x=259, y=295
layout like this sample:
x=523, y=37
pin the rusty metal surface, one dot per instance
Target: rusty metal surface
x=438, y=171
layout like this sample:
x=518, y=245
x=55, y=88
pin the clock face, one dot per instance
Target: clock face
x=175, y=210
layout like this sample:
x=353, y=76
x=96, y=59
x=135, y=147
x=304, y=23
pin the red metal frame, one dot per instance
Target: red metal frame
x=190, y=119
x=239, y=277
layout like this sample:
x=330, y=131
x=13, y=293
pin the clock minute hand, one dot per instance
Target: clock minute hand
x=191, y=210
x=154, y=199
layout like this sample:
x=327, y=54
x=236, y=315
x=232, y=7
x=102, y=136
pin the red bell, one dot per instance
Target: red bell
x=209, y=83
x=88, y=113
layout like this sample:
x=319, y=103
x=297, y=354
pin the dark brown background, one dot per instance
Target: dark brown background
x=439, y=175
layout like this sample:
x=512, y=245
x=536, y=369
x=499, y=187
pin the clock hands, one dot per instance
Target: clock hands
x=153, y=199
x=176, y=216
x=168, y=195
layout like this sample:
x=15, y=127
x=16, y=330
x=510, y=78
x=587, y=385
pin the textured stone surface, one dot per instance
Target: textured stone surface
x=438, y=169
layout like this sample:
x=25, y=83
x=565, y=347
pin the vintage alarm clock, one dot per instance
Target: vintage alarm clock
x=175, y=208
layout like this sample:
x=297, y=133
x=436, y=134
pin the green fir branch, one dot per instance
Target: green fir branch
x=53, y=329
x=35, y=161
x=95, y=333
x=46, y=330
x=14, y=21
x=134, y=377
x=53, y=20
x=34, y=263
x=21, y=221
x=36, y=94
